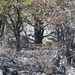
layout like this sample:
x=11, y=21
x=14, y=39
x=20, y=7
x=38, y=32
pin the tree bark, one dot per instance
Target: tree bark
x=38, y=35
x=38, y=31
x=17, y=36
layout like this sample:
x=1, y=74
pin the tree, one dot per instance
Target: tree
x=14, y=19
x=38, y=31
x=40, y=15
x=65, y=26
x=13, y=11
x=16, y=25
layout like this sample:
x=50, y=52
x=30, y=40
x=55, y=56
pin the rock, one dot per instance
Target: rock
x=70, y=71
x=38, y=73
x=1, y=73
x=43, y=74
x=22, y=74
x=14, y=72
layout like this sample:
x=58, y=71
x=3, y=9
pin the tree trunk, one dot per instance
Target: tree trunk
x=18, y=43
x=17, y=36
x=38, y=35
x=38, y=30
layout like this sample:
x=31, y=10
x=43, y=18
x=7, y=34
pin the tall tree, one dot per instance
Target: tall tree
x=14, y=20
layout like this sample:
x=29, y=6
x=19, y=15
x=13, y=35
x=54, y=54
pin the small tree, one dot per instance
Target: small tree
x=40, y=14
x=16, y=26
x=38, y=30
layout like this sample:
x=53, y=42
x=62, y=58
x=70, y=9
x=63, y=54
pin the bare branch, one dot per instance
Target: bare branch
x=47, y=35
x=27, y=21
x=9, y=25
x=11, y=21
